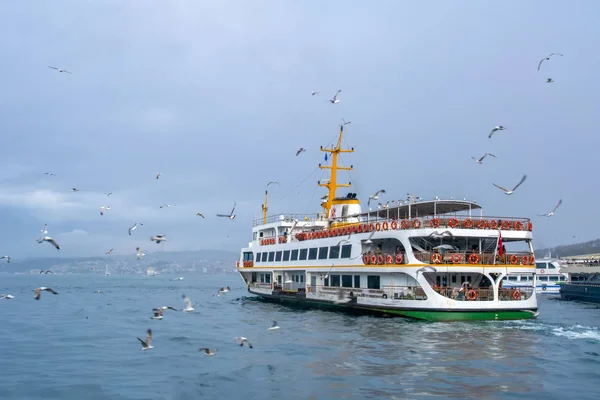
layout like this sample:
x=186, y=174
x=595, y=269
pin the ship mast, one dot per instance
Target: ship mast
x=332, y=185
x=265, y=207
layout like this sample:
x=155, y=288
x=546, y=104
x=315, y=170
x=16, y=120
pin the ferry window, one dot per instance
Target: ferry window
x=346, y=280
x=303, y=253
x=346, y=250
x=264, y=257
x=453, y=278
x=356, y=281
x=323, y=253
x=296, y=278
x=294, y=256
x=543, y=278
x=335, y=280
x=247, y=256
x=271, y=256
x=286, y=255
x=373, y=282
x=257, y=257
x=278, y=256
x=301, y=278
x=262, y=278
x=541, y=265
x=512, y=278
x=344, y=210
x=312, y=253
x=550, y=266
x=326, y=282
x=334, y=252
x=267, y=278
x=554, y=278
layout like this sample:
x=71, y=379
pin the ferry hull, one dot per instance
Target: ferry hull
x=580, y=292
x=445, y=315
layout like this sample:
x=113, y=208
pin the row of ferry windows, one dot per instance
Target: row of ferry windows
x=315, y=253
x=544, y=278
x=352, y=281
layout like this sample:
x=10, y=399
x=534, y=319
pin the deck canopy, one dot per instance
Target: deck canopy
x=425, y=208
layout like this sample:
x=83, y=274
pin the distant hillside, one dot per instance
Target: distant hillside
x=576, y=249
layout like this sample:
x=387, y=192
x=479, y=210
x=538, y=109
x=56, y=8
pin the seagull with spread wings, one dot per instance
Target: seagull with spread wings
x=147, y=344
x=59, y=69
x=375, y=196
x=231, y=215
x=551, y=213
x=509, y=192
x=335, y=99
x=300, y=150
x=37, y=293
x=7, y=258
x=480, y=160
x=547, y=58
x=495, y=129
x=49, y=240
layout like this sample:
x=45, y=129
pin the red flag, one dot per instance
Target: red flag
x=500, y=251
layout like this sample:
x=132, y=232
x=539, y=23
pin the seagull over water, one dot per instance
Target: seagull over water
x=37, y=293
x=300, y=150
x=480, y=160
x=549, y=80
x=509, y=192
x=49, y=173
x=551, y=213
x=109, y=252
x=147, y=344
x=188, y=304
x=158, y=238
x=139, y=253
x=7, y=258
x=134, y=227
x=59, y=69
x=6, y=296
x=274, y=326
x=208, y=351
x=200, y=215
x=335, y=99
x=547, y=58
x=231, y=215
x=167, y=205
x=496, y=128
x=74, y=190
x=49, y=240
x=44, y=230
x=243, y=341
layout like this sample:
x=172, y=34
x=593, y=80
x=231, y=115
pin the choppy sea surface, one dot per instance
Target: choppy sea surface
x=82, y=345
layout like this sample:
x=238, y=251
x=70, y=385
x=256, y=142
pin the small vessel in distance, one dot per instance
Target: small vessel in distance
x=438, y=260
x=583, y=283
x=549, y=277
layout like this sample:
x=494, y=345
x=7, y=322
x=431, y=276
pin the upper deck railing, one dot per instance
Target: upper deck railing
x=290, y=218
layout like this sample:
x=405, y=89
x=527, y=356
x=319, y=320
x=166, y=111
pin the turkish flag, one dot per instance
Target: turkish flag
x=500, y=252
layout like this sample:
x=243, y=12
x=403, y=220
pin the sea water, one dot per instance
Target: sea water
x=83, y=345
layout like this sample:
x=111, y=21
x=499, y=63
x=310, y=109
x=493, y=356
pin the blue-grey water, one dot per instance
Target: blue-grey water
x=82, y=345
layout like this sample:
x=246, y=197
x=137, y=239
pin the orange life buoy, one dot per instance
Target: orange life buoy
x=516, y=295
x=505, y=225
x=473, y=259
x=394, y=224
x=514, y=259
x=389, y=259
x=453, y=222
x=530, y=226
x=378, y=226
x=380, y=259
x=493, y=224
x=404, y=224
x=360, y=229
x=385, y=226
x=399, y=258
x=468, y=223
x=366, y=259
x=435, y=223
x=481, y=224
x=373, y=259
x=532, y=260
x=371, y=228
x=471, y=295
x=518, y=225
x=524, y=260
x=436, y=258
x=456, y=258
x=416, y=224
x=237, y=264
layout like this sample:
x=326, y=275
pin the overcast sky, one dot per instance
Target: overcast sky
x=216, y=95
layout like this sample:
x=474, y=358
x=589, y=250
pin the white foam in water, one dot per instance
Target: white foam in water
x=578, y=332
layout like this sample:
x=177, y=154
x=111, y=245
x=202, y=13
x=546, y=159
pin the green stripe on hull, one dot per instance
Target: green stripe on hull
x=426, y=315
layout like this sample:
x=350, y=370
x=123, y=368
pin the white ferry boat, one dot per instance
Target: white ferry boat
x=549, y=277
x=432, y=260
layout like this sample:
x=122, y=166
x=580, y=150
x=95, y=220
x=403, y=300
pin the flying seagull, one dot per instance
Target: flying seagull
x=207, y=351
x=167, y=205
x=6, y=296
x=49, y=173
x=243, y=341
x=104, y=208
x=231, y=215
x=158, y=238
x=99, y=291
x=74, y=190
x=46, y=272
x=549, y=80
x=335, y=100
x=274, y=326
x=496, y=128
x=300, y=150
x=344, y=123
x=134, y=226
x=44, y=230
x=158, y=175
x=273, y=183
x=38, y=292
x=200, y=215
x=49, y=240
x=314, y=93
x=188, y=303
x=375, y=196
x=147, y=345
x=480, y=160
x=59, y=69
x=438, y=234
x=139, y=253
x=224, y=289
x=509, y=192
x=551, y=213
x=7, y=258
x=109, y=252
x=547, y=58
x=108, y=194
